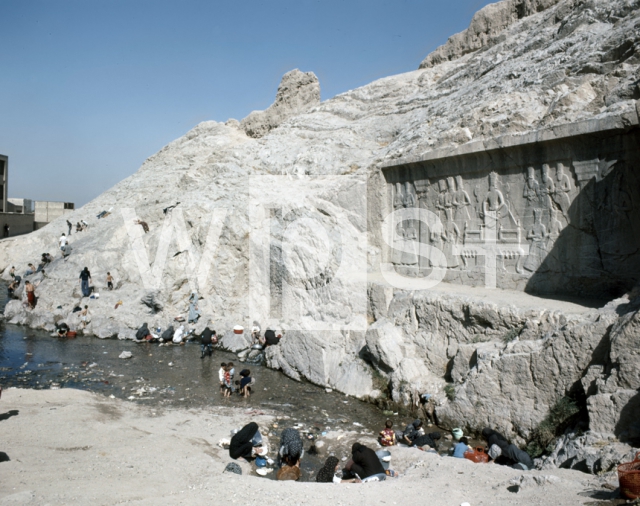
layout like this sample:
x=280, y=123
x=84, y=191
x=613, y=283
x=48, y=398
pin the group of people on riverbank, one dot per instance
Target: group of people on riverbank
x=498, y=449
x=365, y=464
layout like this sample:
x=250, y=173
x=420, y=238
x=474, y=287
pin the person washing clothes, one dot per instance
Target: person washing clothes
x=461, y=447
x=504, y=453
x=245, y=383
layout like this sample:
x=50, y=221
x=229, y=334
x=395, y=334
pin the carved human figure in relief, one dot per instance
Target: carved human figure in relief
x=531, y=190
x=494, y=201
x=410, y=253
x=461, y=200
x=398, y=244
x=450, y=193
x=537, y=235
x=547, y=188
x=398, y=199
x=409, y=200
x=450, y=237
x=561, y=195
x=442, y=185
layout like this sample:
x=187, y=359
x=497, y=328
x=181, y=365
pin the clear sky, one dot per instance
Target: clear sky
x=90, y=88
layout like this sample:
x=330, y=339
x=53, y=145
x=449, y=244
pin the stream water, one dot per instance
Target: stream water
x=176, y=376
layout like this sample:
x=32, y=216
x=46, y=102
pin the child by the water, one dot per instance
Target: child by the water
x=228, y=379
x=461, y=447
x=245, y=382
x=387, y=436
x=221, y=372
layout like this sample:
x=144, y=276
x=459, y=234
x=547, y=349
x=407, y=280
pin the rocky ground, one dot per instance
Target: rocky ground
x=72, y=447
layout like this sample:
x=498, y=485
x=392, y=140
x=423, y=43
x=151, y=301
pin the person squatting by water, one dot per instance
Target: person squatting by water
x=245, y=383
x=364, y=463
x=246, y=443
x=504, y=453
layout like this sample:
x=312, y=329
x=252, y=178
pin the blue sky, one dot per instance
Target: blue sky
x=90, y=88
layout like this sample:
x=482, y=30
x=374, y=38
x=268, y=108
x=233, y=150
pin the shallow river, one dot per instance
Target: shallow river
x=175, y=376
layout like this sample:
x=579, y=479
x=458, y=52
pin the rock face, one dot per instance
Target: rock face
x=278, y=219
x=298, y=92
x=614, y=402
x=486, y=25
x=591, y=452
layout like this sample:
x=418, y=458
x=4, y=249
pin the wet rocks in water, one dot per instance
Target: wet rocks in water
x=125, y=354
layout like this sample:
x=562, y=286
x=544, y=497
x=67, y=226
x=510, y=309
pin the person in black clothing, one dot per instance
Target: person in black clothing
x=509, y=454
x=411, y=432
x=6, y=230
x=242, y=442
x=62, y=329
x=427, y=440
x=270, y=338
x=167, y=335
x=365, y=462
x=245, y=382
x=85, y=279
x=493, y=437
x=142, y=333
x=207, y=339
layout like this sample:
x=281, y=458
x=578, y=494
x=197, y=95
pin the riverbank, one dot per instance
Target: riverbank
x=73, y=447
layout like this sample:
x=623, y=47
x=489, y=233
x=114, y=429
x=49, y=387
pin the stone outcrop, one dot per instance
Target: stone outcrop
x=486, y=25
x=298, y=92
x=614, y=387
x=529, y=84
x=591, y=452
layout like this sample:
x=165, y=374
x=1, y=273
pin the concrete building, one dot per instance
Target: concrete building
x=20, y=206
x=16, y=215
x=4, y=177
x=46, y=212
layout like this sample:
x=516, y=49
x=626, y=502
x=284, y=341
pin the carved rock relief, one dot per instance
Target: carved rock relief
x=526, y=206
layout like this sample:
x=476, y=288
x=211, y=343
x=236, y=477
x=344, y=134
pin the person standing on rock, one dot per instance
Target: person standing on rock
x=63, y=243
x=84, y=317
x=70, y=225
x=85, y=279
x=109, y=281
x=30, y=289
x=12, y=272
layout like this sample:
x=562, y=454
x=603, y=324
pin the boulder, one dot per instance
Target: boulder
x=298, y=92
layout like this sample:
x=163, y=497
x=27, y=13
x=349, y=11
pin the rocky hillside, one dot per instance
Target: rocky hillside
x=522, y=65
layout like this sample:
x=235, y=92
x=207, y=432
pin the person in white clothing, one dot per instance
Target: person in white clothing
x=63, y=241
x=178, y=335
